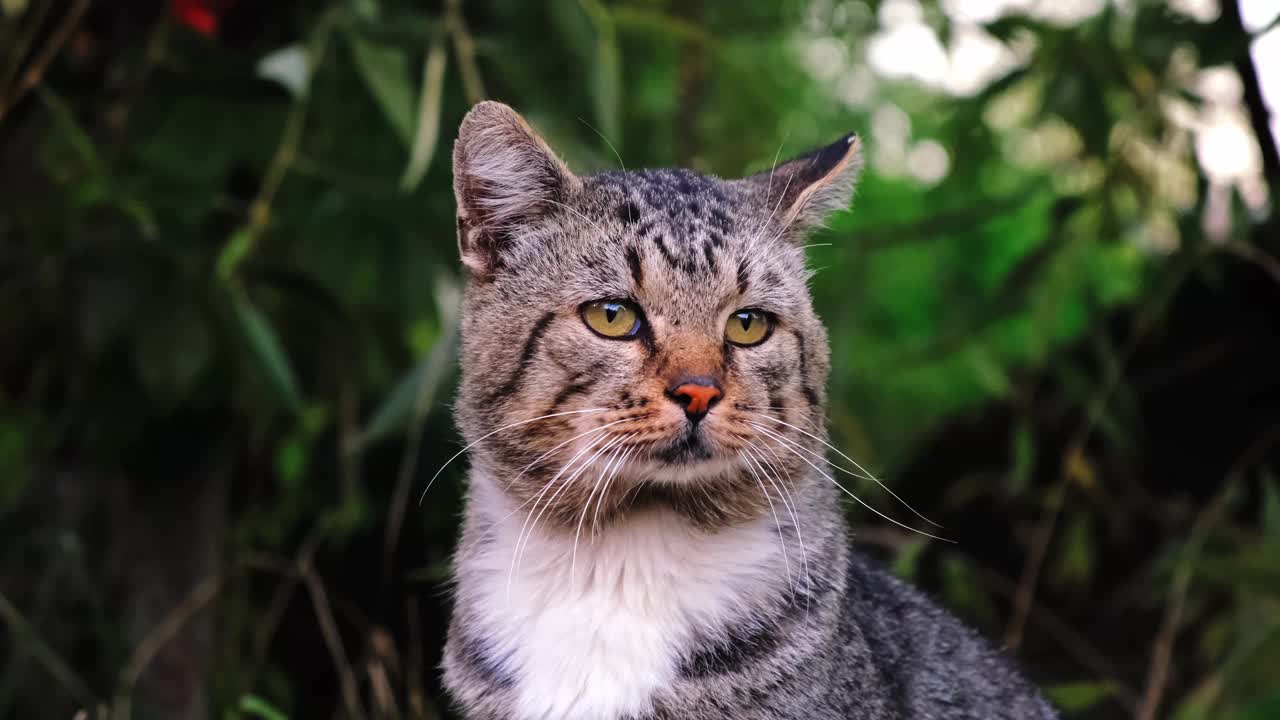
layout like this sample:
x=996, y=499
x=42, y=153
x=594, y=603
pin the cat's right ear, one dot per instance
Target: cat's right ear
x=504, y=174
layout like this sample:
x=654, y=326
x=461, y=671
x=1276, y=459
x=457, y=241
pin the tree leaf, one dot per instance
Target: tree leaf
x=254, y=706
x=237, y=247
x=1264, y=707
x=429, y=103
x=606, y=74
x=385, y=71
x=1076, y=697
x=267, y=350
x=419, y=388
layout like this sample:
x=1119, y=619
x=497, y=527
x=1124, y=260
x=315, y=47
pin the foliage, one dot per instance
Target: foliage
x=235, y=219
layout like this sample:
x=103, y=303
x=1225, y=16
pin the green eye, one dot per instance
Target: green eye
x=612, y=318
x=748, y=327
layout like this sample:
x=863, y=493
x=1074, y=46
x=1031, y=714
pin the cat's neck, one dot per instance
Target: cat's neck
x=585, y=625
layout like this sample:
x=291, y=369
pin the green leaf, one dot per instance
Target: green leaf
x=64, y=121
x=1270, y=504
x=13, y=8
x=1023, y=452
x=15, y=439
x=427, y=137
x=606, y=74
x=1265, y=707
x=237, y=247
x=254, y=706
x=291, y=460
x=907, y=562
x=385, y=71
x=418, y=389
x=267, y=351
x=1077, y=697
x=1075, y=561
x=606, y=85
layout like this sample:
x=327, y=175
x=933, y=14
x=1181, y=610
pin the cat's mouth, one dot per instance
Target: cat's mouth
x=687, y=448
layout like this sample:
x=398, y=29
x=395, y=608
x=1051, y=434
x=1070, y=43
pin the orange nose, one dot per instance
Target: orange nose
x=696, y=396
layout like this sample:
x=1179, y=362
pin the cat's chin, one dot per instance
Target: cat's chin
x=687, y=470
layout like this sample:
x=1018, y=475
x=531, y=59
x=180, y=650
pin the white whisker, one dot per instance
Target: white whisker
x=795, y=521
x=544, y=455
x=495, y=432
x=529, y=517
x=606, y=142
x=782, y=538
x=575, y=211
x=595, y=516
x=765, y=226
x=868, y=475
x=786, y=445
x=586, y=506
x=568, y=481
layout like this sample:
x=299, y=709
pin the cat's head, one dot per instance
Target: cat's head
x=639, y=336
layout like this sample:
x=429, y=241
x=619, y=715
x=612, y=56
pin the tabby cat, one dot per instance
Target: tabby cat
x=652, y=527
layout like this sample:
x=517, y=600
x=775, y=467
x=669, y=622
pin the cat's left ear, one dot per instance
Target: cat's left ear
x=801, y=193
x=504, y=176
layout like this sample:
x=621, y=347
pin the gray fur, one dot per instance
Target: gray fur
x=850, y=641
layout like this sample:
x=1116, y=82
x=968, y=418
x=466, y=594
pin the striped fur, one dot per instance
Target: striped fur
x=618, y=560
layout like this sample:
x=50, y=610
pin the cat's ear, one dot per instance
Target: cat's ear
x=504, y=174
x=800, y=193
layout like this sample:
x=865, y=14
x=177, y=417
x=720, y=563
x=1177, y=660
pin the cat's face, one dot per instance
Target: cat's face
x=638, y=337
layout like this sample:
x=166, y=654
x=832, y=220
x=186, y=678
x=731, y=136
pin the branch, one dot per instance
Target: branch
x=1206, y=520
x=195, y=601
x=57, y=667
x=1259, y=116
x=464, y=48
x=35, y=74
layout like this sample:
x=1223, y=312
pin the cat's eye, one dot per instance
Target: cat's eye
x=748, y=327
x=616, y=319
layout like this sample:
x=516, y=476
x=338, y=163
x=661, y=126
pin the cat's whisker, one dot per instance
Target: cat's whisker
x=524, y=504
x=751, y=244
x=813, y=424
x=564, y=485
x=548, y=453
x=575, y=211
x=786, y=444
x=867, y=476
x=595, y=516
x=586, y=506
x=488, y=435
x=795, y=520
x=515, y=555
x=782, y=538
x=544, y=456
x=788, y=503
x=635, y=490
x=606, y=142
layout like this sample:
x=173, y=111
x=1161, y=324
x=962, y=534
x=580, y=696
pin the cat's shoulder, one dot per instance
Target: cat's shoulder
x=938, y=662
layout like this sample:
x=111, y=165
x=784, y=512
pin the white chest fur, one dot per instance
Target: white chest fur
x=593, y=638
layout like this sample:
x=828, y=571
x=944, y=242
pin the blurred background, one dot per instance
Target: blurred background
x=228, y=307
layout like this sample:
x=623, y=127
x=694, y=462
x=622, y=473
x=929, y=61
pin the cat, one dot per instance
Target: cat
x=652, y=530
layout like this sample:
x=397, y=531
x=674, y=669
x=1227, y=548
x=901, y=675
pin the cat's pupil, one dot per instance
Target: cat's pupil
x=745, y=319
x=610, y=312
